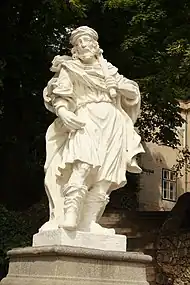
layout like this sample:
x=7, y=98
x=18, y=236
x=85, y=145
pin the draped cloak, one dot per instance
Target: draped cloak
x=81, y=89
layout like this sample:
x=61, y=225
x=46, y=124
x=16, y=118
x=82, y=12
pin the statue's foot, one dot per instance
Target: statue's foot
x=48, y=226
x=70, y=222
x=97, y=229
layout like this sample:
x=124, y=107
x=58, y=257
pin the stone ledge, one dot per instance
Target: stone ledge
x=67, y=281
x=64, y=265
x=133, y=257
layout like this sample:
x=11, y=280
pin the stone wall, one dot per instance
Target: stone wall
x=173, y=256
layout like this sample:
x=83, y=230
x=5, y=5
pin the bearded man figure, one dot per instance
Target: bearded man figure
x=92, y=143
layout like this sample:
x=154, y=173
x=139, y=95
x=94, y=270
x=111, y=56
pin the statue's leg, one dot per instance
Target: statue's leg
x=94, y=206
x=53, y=193
x=74, y=193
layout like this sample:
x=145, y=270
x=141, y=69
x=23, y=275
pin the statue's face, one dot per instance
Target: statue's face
x=85, y=48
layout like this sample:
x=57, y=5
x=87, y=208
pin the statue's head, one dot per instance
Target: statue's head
x=85, y=44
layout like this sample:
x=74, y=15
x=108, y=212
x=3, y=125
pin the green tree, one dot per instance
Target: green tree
x=149, y=42
x=32, y=33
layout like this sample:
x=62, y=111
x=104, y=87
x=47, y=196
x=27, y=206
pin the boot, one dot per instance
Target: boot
x=74, y=196
x=94, y=206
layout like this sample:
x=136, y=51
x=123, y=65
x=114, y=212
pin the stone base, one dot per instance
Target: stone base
x=80, y=239
x=61, y=265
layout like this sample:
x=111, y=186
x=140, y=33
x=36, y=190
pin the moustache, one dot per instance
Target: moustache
x=85, y=51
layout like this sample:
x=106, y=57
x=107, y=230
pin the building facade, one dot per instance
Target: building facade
x=160, y=184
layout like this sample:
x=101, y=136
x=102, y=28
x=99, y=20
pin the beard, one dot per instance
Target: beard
x=87, y=55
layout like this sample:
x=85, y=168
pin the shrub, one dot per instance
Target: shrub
x=17, y=229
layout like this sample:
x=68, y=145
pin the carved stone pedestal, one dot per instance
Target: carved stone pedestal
x=64, y=265
x=62, y=237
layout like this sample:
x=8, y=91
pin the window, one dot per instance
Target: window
x=169, y=185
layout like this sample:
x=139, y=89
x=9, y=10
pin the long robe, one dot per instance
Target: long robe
x=108, y=142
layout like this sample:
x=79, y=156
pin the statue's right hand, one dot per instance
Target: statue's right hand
x=69, y=119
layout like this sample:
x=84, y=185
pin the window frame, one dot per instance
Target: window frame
x=168, y=191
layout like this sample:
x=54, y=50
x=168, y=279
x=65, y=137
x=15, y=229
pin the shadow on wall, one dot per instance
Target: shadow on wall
x=127, y=196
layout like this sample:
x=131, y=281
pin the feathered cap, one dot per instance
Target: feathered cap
x=83, y=30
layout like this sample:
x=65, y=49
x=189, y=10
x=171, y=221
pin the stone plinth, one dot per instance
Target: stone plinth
x=80, y=239
x=62, y=265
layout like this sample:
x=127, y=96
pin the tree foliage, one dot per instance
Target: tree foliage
x=32, y=34
x=153, y=38
x=17, y=229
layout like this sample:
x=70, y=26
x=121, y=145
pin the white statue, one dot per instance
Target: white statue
x=92, y=143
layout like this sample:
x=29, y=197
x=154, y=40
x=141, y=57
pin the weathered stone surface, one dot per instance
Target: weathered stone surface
x=60, y=265
x=80, y=239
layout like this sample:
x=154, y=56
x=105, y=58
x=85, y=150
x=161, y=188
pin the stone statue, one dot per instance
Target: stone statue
x=92, y=142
